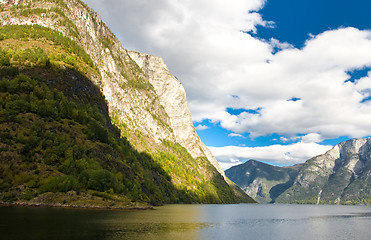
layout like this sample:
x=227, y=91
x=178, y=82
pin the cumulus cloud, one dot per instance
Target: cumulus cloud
x=210, y=47
x=316, y=77
x=201, y=127
x=312, y=137
x=275, y=154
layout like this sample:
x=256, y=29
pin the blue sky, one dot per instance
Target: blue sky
x=295, y=20
x=278, y=81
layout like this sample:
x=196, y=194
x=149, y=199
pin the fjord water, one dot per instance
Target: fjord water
x=241, y=221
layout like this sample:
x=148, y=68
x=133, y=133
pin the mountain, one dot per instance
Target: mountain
x=340, y=176
x=172, y=97
x=262, y=181
x=80, y=113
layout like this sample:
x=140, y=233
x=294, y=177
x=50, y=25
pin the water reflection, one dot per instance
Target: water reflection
x=244, y=221
x=290, y=222
x=171, y=222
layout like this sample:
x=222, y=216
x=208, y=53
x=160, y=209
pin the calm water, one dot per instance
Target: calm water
x=243, y=221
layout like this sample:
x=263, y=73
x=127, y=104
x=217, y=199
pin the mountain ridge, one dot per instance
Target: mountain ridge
x=339, y=176
x=131, y=102
x=262, y=181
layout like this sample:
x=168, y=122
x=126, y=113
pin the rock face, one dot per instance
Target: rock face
x=261, y=181
x=173, y=97
x=340, y=176
x=130, y=97
x=156, y=104
x=144, y=100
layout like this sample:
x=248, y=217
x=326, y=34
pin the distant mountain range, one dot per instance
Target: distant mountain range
x=340, y=176
x=262, y=181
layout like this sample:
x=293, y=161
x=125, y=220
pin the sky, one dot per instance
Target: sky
x=278, y=81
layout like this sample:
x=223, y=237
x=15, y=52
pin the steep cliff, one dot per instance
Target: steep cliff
x=173, y=97
x=141, y=98
x=340, y=176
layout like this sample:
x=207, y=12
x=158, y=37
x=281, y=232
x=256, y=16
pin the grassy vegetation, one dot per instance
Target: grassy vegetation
x=197, y=179
x=36, y=32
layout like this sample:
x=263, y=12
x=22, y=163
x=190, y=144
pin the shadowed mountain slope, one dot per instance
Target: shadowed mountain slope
x=102, y=118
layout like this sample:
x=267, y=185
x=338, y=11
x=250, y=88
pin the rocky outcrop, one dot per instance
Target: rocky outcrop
x=131, y=98
x=146, y=98
x=172, y=97
x=160, y=112
x=13, y=2
x=340, y=176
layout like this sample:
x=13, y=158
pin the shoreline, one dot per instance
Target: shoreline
x=74, y=200
x=68, y=206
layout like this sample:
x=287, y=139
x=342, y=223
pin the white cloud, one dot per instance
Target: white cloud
x=235, y=135
x=231, y=163
x=277, y=44
x=316, y=76
x=206, y=46
x=312, y=137
x=276, y=154
x=201, y=127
